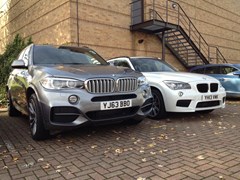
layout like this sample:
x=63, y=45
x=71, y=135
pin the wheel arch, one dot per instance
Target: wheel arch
x=29, y=92
x=160, y=91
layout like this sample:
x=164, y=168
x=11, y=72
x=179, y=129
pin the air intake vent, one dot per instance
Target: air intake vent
x=202, y=88
x=214, y=87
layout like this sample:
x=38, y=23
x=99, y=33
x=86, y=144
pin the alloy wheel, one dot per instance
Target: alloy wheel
x=32, y=117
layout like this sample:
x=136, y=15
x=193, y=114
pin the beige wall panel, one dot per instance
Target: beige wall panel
x=219, y=23
x=28, y=17
x=103, y=16
x=121, y=6
x=55, y=35
x=101, y=34
x=105, y=25
x=119, y=41
x=232, y=6
x=52, y=17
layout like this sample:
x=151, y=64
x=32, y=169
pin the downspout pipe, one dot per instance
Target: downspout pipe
x=78, y=41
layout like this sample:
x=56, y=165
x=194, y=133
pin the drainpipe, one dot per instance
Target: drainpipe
x=77, y=25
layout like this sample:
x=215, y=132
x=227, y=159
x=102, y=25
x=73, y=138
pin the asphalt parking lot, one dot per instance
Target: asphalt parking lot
x=182, y=146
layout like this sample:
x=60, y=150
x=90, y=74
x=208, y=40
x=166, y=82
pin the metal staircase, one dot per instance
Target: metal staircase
x=167, y=20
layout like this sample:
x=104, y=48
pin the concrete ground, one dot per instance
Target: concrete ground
x=182, y=146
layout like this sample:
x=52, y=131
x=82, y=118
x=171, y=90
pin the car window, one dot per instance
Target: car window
x=122, y=63
x=200, y=70
x=51, y=55
x=227, y=69
x=151, y=65
x=212, y=70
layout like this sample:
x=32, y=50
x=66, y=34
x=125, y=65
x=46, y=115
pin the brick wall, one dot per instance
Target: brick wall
x=219, y=23
x=104, y=25
x=46, y=21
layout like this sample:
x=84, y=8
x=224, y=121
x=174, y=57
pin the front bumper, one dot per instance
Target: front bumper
x=58, y=113
x=191, y=101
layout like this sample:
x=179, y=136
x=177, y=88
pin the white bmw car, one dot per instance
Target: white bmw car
x=176, y=91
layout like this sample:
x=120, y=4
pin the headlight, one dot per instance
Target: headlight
x=176, y=85
x=142, y=81
x=60, y=83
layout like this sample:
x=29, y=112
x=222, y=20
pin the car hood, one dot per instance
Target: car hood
x=177, y=76
x=84, y=72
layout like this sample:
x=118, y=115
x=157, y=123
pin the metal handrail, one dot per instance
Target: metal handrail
x=173, y=13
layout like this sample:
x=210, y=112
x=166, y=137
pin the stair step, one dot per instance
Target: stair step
x=174, y=35
x=189, y=53
x=185, y=44
x=178, y=39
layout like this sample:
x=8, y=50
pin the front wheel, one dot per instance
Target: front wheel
x=37, y=128
x=158, y=108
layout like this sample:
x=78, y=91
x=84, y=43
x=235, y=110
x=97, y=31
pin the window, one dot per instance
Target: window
x=227, y=69
x=151, y=65
x=122, y=63
x=200, y=70
x=212, y=70
x=79, y=56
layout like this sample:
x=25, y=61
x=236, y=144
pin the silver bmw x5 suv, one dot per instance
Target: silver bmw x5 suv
x=66, y=87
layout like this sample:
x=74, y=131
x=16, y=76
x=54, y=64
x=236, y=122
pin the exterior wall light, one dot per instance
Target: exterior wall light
x=174, y=5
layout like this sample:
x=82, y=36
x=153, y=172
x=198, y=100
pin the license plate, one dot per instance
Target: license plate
x=116, y=104
x=210, y=97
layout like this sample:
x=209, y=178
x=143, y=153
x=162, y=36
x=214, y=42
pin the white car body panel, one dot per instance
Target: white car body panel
x=171, y=97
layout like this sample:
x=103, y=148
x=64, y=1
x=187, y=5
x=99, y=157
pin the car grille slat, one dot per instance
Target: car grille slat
x=106, y=85
x=127, y=84
x=100, y=86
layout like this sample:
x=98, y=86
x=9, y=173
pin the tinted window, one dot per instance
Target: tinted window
x=51, y=55
x=151, y=65
x=227, y=70
x=122, y=63
x=212, y=70
x=200, y=70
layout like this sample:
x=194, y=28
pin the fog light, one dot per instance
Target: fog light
x=144, y=93
x=73, y=99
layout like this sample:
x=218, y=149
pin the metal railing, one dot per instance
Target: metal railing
x=170, y=11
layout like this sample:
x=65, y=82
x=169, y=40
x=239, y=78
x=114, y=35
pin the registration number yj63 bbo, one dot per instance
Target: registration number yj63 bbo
x=116, y=104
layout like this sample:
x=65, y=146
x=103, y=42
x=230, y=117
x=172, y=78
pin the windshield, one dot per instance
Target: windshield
x=51, y=55
x=151, y=65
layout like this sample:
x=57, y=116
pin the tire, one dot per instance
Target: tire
x=38, y=131
x=158, y=108
x=12, y=111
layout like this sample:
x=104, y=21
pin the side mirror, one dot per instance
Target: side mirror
x=236, y=73
x=18, y=64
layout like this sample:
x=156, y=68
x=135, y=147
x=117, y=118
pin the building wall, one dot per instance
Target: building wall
x=46, y=21
x=219, y=23
x=104, y=25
